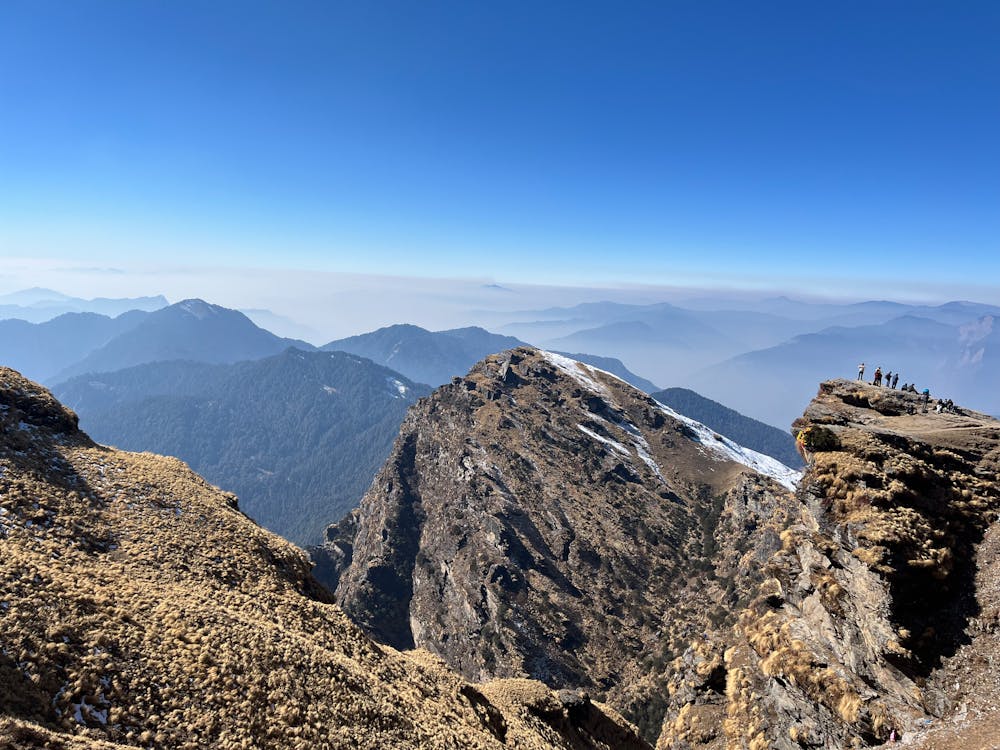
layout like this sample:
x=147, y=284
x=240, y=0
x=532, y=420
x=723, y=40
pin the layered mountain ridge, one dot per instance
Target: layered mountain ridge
x=435, y=357
x=298, y=436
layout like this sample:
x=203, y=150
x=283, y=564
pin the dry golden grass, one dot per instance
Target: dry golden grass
x=139, y=607
x=891, y=508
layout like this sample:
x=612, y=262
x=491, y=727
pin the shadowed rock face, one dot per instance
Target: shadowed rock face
x=878, y=593
x=540, y=518
x=140, y=608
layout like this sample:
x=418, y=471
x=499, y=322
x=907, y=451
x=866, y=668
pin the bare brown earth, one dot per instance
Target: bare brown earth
x=140, y=608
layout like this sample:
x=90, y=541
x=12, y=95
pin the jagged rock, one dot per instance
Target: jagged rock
x=540, y=518
x=872, y=591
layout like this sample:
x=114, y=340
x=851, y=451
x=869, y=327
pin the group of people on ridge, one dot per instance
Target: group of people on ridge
x=891, y=381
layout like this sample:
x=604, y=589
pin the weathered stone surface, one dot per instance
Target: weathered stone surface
x=542, y=519
x=873, y=603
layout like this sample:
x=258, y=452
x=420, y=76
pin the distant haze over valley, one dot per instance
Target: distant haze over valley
x=759, y=353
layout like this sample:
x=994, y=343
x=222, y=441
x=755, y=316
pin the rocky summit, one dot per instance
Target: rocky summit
x=880, y=614
x=541, y=518
x=140, y=608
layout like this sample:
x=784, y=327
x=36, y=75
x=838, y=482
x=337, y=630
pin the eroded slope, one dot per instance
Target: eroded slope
x=541, y=518
x=877, y=614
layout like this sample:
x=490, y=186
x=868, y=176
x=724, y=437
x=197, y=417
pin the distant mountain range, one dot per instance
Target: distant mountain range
x=41, y=350
x=762, y=357
x=435, y=357
x=952, y=361
x=297, y=436
x=77, y=343
x=38, y=305
x=192, y=329
x=425, y=356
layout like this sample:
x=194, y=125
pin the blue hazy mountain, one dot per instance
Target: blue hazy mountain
x=432, y=357
x=37, y=305
x=297, y=436
x=713, y=344
x=435, y=357
x=41, y=350
x=191, y=329
x=770, y=384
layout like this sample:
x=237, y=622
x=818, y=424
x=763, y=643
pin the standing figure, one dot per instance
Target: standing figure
x=888, y=379
x=861, y=371
x=877, y=380
x=895, y=380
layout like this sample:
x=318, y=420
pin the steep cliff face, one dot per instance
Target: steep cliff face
x=539, y=518
x=140, y=608
x=878, y=613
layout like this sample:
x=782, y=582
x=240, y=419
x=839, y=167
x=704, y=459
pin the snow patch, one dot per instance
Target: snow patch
x=642, y=448
x=613, y=444
x=197, y=308
x=727, y=450
x=581, y=373
x=722, y=447
x=396, y=388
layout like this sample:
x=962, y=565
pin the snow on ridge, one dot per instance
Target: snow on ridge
x=730, y=451
x=721, y=446
x=197, y=308
x=580, y=372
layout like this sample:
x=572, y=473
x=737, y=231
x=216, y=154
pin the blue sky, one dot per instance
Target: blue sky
x=575, y=142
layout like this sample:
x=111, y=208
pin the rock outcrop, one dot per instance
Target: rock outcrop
x=541, y=518
x=140, y=608
x=878, y=613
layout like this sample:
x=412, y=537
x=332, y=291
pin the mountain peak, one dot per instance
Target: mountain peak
x=198, y=308
x=534, y=495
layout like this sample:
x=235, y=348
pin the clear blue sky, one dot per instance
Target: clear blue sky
x=520, y=140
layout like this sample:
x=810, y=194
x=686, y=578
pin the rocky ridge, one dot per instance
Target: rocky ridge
x=878, y=613
x=140, y=608
x=542, y=518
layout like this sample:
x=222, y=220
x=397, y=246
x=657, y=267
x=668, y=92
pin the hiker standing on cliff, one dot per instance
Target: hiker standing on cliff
x=861, y=371
x=877, y=380
x=895, y=380
x=888, y=379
